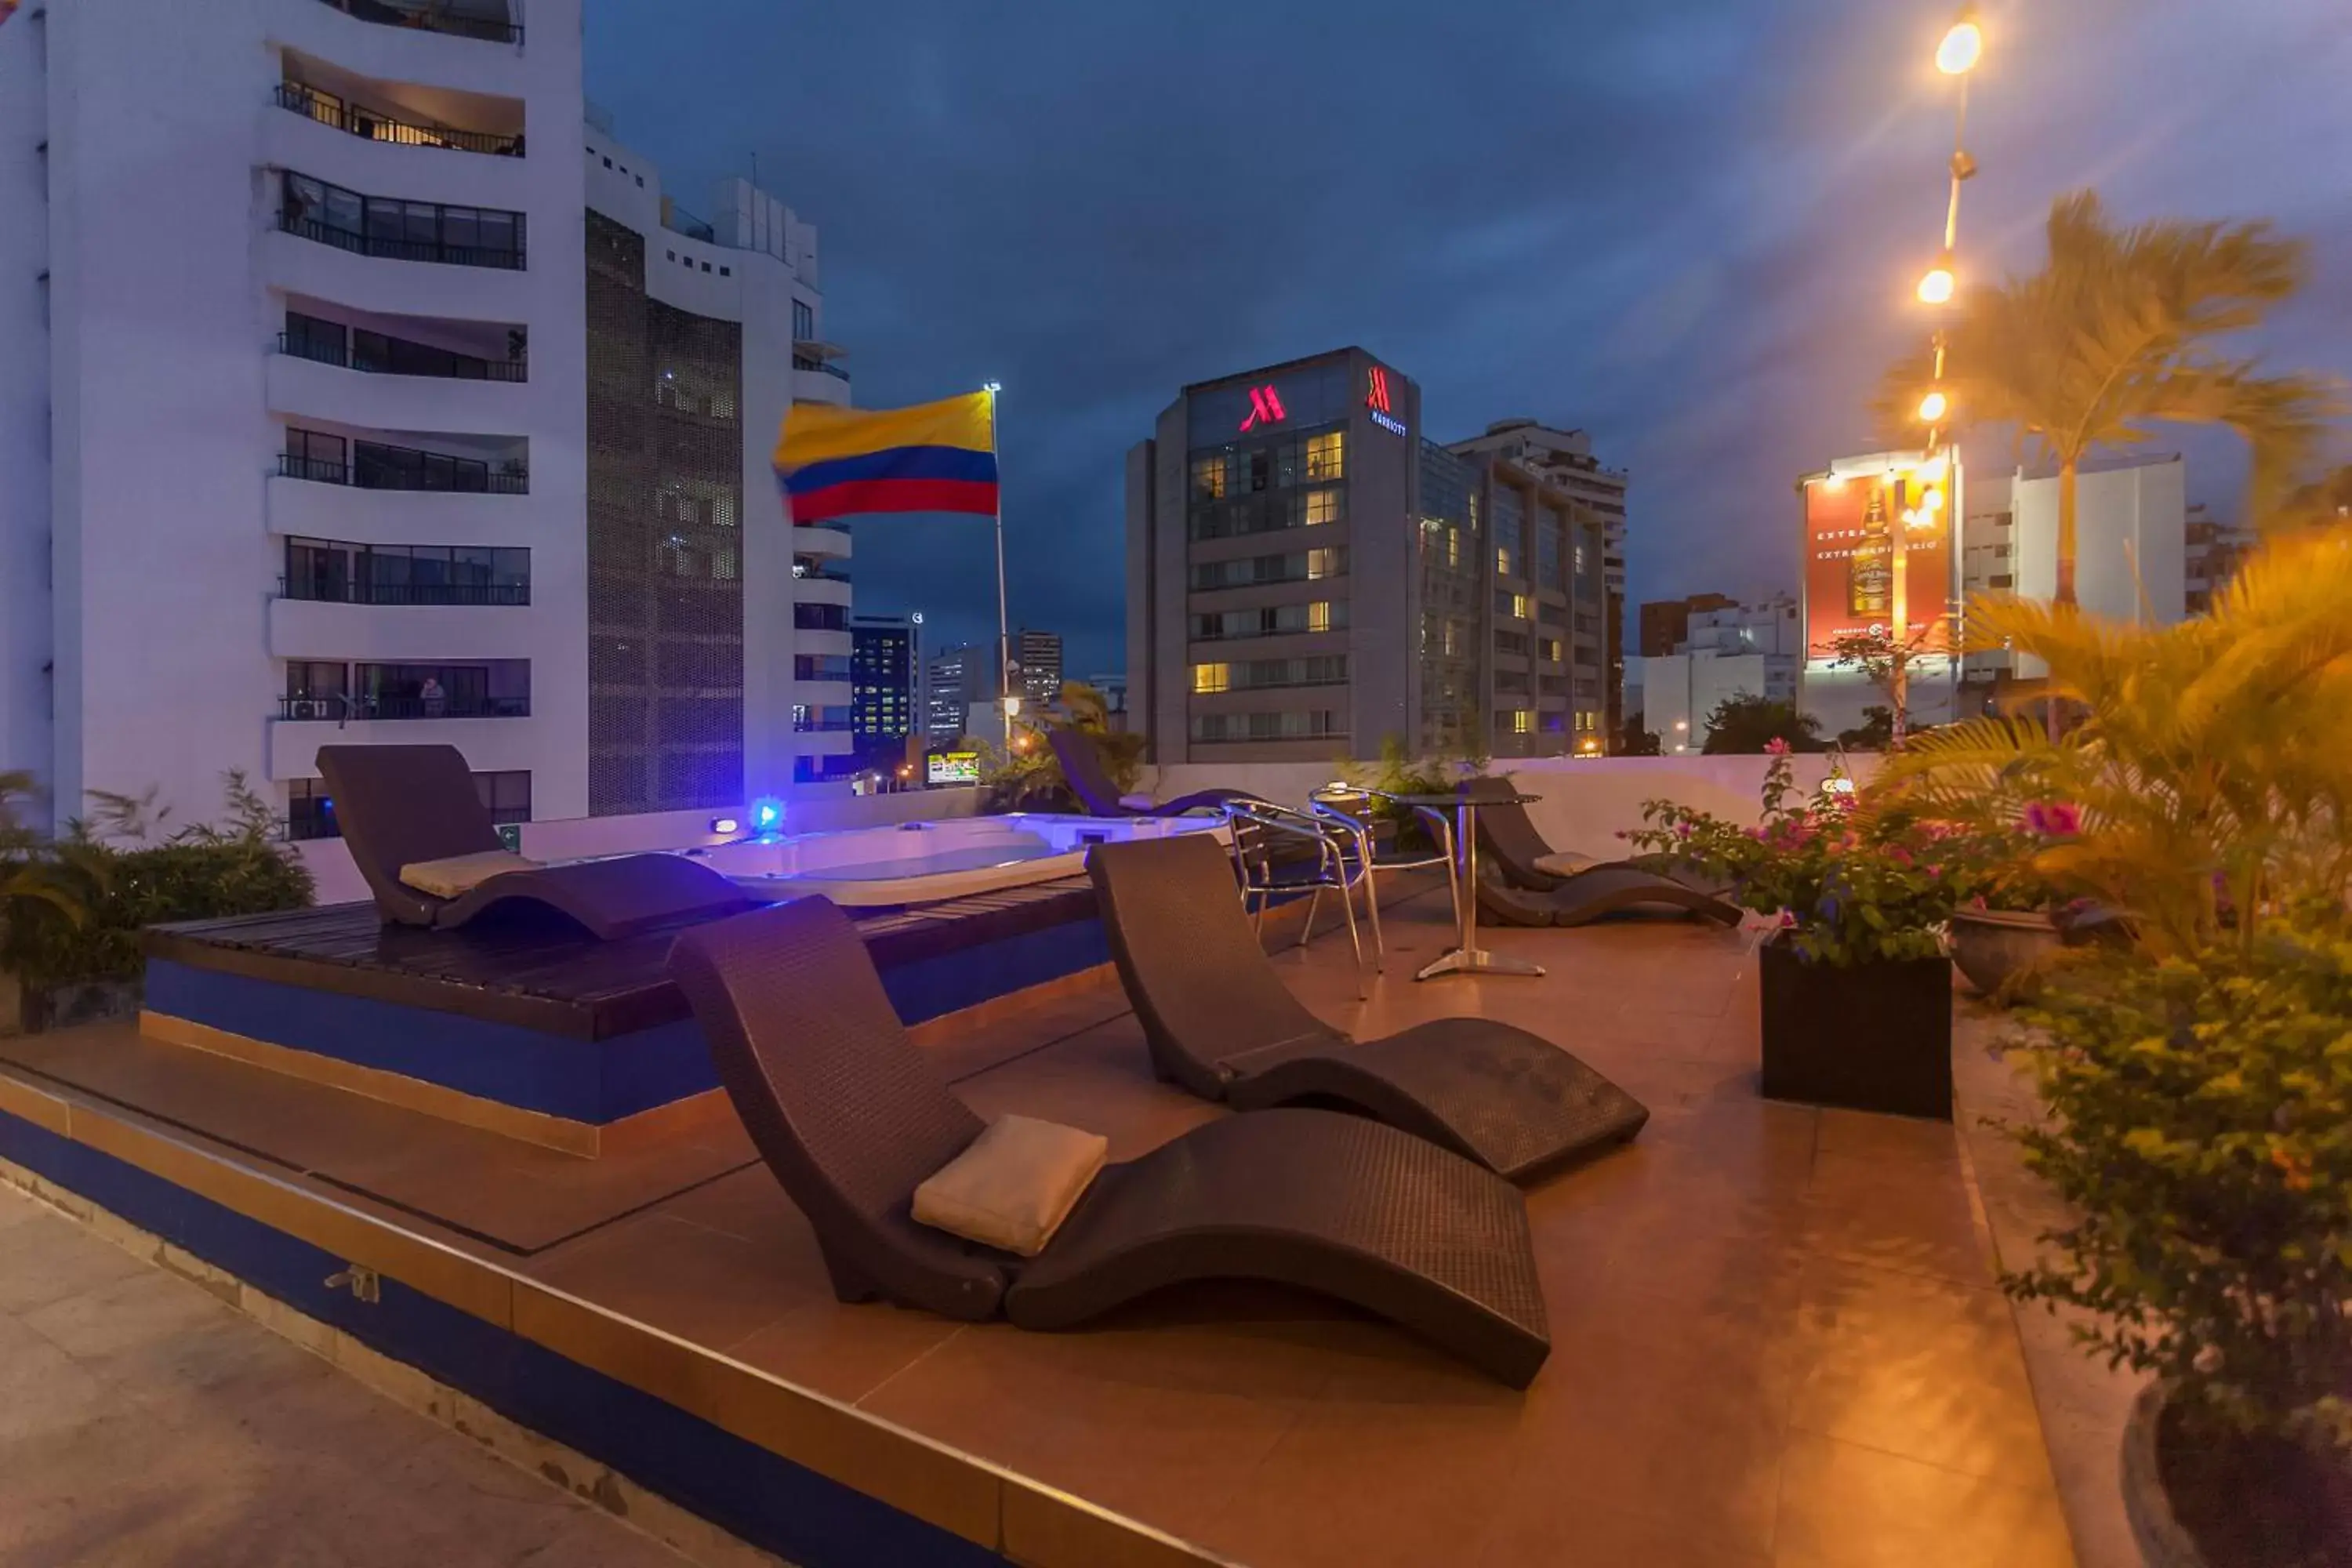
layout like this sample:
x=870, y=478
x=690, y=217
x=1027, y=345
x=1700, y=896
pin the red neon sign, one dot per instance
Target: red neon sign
x=1378, y=399
x=1266, y=408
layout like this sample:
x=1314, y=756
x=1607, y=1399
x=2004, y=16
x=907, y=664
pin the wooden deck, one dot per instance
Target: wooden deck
x=545, y=973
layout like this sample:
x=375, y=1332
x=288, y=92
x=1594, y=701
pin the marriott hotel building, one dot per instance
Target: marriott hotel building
x=1309, y=575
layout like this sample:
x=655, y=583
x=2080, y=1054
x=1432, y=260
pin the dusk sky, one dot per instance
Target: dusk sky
x=1690, y=229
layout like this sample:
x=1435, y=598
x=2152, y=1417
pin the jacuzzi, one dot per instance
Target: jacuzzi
x=924, y=862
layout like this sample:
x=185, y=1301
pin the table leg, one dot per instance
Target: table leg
x=1467, y=958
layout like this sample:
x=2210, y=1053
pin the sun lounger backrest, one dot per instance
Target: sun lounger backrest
x=1082, y=766
x=1507, y=832
x=1189, y=959
x=399, y=806
x=845, y=1109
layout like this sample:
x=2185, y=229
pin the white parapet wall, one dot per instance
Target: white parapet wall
x=1584, y=805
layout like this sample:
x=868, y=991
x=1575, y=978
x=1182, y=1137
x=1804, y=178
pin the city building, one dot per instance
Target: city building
x=1877, y=531
x=885, y=669
x=1308, y=576
x=1664, y=622
x=415, y=430
x=1564, y=459
x=1039, y=654
x=955, y=680
x=1727, y=650
x=2214, y=548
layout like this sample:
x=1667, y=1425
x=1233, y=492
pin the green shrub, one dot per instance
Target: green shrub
x=116, y=881
x=2201, y=1128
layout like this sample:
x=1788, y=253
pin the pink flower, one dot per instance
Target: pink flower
x=1682, y=830
x=1788, y=917
x=2053, y=818
x=1776, y=747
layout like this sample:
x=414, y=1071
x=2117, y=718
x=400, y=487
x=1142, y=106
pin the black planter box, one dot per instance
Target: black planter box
x=1869, y=1037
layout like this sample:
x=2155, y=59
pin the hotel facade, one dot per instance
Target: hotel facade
x=1310, y=576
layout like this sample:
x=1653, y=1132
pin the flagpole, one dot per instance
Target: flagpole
x=1004, y=624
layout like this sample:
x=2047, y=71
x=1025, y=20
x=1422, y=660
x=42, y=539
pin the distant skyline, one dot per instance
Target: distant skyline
x=1687, y=227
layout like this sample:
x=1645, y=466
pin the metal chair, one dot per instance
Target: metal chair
x=1279, y=849
x=1349, y=810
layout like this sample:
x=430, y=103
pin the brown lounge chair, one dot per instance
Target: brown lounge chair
x=1513, y=889
x=1221, y=1023
x=1082, y=766
x=402, y=806
x=852, y=1117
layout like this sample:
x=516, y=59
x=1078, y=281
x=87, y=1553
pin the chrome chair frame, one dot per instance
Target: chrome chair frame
x=1354, y=823
x=1257, y=825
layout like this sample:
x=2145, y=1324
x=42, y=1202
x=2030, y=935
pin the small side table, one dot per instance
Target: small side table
x=1469, y=958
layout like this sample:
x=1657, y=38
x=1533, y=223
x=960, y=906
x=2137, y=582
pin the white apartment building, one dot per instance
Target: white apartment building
x=321, y=419
x=1746, y=651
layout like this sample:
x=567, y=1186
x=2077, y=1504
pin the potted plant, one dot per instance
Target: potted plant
x=1857, y=993
x=2005, y=935
x=2201, y=1129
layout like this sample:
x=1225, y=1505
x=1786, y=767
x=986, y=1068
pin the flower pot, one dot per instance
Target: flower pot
x=2000, y=950
x=2248, y=1502
x=1864, y=1036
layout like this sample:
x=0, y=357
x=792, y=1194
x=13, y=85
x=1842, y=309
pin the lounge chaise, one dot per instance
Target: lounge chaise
x=1220, y=1023
x=402, y=809
x=1535, y=885
x=1082, y=766
x=852, y=1118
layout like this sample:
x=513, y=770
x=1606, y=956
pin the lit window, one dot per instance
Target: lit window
x=1503, y=562
x=1322, y=506
x=1211, y=677
x=1323, y=563
x=1522, y=722
x=1209, y=477
x=1327, y=454
x=1318, y=616
x=1453, y=547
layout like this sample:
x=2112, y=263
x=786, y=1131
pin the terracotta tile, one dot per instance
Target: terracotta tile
x=1901, y=1215
x=1858, y=1134
x=1845, y=1506
x=701, y=1285
x=842, y=1351
x=1549, y=1520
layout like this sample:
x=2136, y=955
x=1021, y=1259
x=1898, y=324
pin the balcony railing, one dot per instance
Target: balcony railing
x=382, y=355
x=329, y=111
x=805, y=361
x=351, y=590
x=821, y=618
x=340, y=709
x=379, y=468
x=823, y=726
x=400, y=249
x=831, y=525
x=433, y=18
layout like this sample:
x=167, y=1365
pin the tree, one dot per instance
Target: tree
x=1634, y=738
x=1744, y=725
x=2115, y=333
x=1875, y=734
x=1887, y=664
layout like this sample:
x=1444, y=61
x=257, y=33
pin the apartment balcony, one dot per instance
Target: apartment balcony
x=823, y=694
x=822, y=642
x=819, y=381
x=374, y=466
x=821, y=539
x=419, y=632
x=387, y=286
x=304, y=508
x=491, y=744
x=337, y=112
x=826, y=593
x=472, y=47
x=309, y=380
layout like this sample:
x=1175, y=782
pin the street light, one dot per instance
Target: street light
x=1932, y=407
x=1962, y=46
x=1936, y=287
x=991, y=386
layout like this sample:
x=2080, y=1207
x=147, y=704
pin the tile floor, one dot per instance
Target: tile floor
x=1776, y=1335
x=143, y=1424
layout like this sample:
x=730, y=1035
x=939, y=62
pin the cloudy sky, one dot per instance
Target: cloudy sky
x=1689, y=227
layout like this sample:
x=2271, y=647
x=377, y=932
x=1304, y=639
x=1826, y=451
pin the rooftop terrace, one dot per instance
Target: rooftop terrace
x=1777, y=1339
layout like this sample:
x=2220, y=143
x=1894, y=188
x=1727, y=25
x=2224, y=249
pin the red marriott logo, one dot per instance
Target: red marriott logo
x=1266, y=408
x=1377, y=400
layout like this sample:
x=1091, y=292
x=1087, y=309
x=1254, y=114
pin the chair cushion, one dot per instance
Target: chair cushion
x=458, y=875
x=1564, y=863
x=1016, y=1183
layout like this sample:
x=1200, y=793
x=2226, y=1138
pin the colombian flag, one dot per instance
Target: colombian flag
x=934, y=457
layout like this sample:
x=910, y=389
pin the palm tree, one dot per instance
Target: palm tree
x=2117, y=332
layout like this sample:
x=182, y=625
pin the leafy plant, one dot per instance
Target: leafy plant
x=1849, y=888
x=2209, y=777
x=1886, y=662
x=1026, y=774
x=2201, y=1129
x=119, y=878
x=2114, y=334
x=1745, y=725
x=1399, y=772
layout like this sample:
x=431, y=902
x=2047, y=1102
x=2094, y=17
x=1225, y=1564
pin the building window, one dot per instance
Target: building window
x=1518, y=605
x=1548, y=649
x=1327, y=454
x=1326, y=562
x=726, y=272
x=804, y=320
x=1322, y=507
x=1211, y=677
x=1318, y=616
x=507, y=795
x=1209, y=477
x=1518, y=721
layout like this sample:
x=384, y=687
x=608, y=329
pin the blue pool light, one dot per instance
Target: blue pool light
x=767, y=812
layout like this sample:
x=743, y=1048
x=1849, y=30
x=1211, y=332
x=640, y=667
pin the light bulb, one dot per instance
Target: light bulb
x=1933, y=407
x=1936, y=286
x=1961, y=47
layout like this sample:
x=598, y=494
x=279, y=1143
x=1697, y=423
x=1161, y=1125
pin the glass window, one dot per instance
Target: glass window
x=1211, y=677
x=1327, y=454
x=1322, y=507
x=1209, y=477
x=1326, y=562
x=804, y=320
x=1318, y=616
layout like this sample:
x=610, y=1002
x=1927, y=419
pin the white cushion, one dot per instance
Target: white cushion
x=1564, y=863
x=461, y=874
x=1014, y=1187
